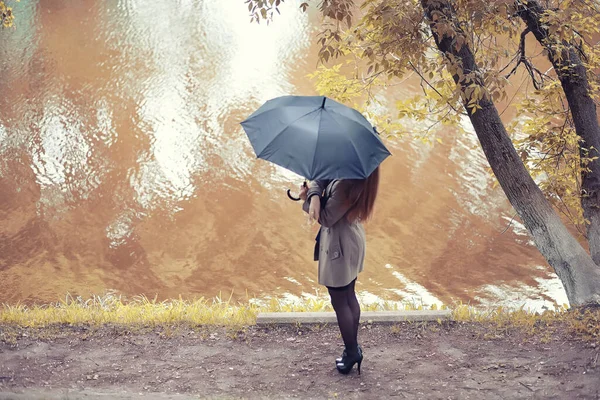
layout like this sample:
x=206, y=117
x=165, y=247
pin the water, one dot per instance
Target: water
x=123, y=166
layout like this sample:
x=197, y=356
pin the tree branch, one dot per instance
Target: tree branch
x=434, y=89
x=531, y=70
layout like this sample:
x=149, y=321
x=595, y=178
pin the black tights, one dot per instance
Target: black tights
x=347, y=310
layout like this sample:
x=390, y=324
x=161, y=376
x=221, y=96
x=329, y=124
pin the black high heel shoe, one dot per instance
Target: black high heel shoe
x=347, y=363
x=339, y=359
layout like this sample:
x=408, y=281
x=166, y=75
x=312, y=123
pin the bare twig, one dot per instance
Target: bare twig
x=521, y=53
x=434, y=89
x=531, y=70
x=509, y=224
x=526, y=386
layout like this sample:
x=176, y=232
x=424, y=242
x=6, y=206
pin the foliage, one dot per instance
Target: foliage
x=392, y=42
x=7, y=17
x=336, y=10
x=337, y=85
x=551, y=148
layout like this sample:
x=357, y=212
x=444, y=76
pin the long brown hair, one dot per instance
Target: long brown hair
x=361, y=193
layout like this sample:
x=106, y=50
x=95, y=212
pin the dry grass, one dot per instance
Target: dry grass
x=113, y=309
x=580, y=322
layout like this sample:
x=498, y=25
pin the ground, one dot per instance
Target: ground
x=405, y=361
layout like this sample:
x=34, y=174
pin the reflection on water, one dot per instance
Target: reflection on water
x=123, y=166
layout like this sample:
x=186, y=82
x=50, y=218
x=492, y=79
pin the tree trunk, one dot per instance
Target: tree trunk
x=583, y=110
x=572, y=264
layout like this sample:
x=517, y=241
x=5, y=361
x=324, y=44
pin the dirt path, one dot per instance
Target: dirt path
x=409, y=361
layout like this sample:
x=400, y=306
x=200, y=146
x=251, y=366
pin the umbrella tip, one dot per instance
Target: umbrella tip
x=323, y=103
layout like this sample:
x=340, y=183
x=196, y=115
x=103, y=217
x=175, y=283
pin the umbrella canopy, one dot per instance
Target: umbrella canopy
x=315, y=137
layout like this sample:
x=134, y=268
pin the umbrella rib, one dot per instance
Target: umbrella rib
x=276, y=107
x=284, y=129
x=359, y=119
x=312, y=165
x=262, y=114
x=351, y=141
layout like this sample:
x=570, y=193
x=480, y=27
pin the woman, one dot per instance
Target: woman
x=340, y=249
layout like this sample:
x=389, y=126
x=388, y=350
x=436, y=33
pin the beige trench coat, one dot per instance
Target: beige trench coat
x=342, y=247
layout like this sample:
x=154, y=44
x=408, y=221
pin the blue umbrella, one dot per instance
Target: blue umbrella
x=315, y=137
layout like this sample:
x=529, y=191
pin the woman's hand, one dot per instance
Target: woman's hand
x=314, y=210
x=303, y=192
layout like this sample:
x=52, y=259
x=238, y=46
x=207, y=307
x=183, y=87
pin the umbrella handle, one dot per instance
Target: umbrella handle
x=292, y=197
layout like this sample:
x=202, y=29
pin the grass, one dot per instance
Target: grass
x=583, y=323
x=113, y=309
x=116, y=310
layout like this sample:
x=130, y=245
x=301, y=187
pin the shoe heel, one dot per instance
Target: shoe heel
x=358, y=366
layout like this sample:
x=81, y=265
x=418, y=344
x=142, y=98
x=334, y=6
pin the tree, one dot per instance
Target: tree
x=565, y=54
x=459, y=50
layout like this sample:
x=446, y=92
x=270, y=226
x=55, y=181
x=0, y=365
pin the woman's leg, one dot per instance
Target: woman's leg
x=345, y=318
x=354, y=307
